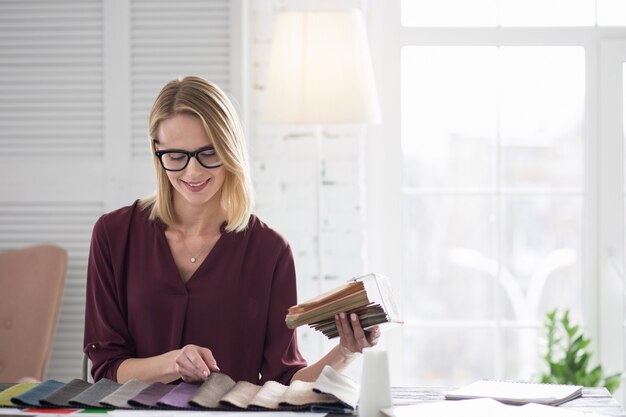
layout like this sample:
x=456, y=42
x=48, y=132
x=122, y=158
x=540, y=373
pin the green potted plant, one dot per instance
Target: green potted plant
x=568, y=358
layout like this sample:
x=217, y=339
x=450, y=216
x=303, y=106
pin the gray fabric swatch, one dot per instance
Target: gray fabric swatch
x=119, y=398
x=60, y=397
x=90, y=398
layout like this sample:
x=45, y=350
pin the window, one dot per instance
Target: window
x=494, y=210
x=492, y=192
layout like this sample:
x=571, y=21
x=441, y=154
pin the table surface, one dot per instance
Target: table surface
x=597, y=400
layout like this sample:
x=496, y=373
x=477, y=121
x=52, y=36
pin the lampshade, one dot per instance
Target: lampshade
x=320, y=70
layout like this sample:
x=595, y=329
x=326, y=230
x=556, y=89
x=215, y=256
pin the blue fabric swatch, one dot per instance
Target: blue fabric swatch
x=31, y=397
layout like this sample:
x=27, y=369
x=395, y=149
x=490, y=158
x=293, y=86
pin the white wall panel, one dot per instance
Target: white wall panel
x=51, y=144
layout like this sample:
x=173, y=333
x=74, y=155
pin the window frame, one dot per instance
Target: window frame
x=384, y=156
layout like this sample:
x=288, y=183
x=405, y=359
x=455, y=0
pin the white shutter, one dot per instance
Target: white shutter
x=173, y=39
x=51, y=122
x=51, y=77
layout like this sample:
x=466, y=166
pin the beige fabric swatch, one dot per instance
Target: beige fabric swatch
x=212, y=390
x=301, y=393
x=339, y=385
x=269, y=395
x=240, y=395
x=219, y=391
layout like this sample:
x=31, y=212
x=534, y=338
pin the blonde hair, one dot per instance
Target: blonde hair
x=199, y=97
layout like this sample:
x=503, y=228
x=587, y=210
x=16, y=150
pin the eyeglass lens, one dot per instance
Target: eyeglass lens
x=178, y=160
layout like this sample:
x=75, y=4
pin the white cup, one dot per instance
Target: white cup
x=375, y=389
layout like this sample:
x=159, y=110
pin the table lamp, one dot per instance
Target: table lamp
x=320, y=70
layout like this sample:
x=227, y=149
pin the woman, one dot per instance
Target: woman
x=188, y=282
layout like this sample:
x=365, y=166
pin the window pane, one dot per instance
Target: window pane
x=541, y=244
x=547, y=12
x=492, y=142
x=520, y=353
x=611, y=12
x=448, y=256
x=449, y=116
x=541, y=116
x=448, y=357
x=449, y=13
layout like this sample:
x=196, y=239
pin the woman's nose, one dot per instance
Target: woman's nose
x=194, y=165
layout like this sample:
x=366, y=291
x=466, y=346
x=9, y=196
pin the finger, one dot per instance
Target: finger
x=186, y=368
x=347, y=331
x=347, y=342
x=189, y=378
x=344, y=338
x=185, y=374
x=339, y=328
x=209, y=360
x=197, y=364
x=373, y=335
x=359, y=334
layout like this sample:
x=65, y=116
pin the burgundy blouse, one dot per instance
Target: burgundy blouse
x=234, y=304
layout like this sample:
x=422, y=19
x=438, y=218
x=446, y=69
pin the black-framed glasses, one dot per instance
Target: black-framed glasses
x=178, y=159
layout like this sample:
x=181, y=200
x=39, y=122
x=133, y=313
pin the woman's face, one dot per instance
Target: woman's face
x=195, y=185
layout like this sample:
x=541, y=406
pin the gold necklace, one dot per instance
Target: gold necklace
x=194, y=258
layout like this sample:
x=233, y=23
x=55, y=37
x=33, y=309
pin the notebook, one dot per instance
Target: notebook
x=512, y=392
x=481, y=407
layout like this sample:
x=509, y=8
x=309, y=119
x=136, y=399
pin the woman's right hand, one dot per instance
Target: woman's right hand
x=195, y=364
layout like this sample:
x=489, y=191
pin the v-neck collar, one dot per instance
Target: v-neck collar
x=172, y=263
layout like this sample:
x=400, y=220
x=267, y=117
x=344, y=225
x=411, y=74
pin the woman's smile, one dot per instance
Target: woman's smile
x=195, y=186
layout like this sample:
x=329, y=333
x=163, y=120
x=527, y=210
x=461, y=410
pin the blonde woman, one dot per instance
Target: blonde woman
x=188, y=282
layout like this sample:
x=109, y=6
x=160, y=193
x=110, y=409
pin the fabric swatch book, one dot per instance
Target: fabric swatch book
x=369, y=296
x=511, y=392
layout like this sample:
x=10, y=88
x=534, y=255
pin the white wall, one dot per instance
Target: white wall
x=287, y=174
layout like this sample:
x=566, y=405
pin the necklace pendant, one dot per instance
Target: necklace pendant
x=193, y=259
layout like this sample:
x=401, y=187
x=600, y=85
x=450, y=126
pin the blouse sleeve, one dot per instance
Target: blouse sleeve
x=281, y=357
x=107, y=340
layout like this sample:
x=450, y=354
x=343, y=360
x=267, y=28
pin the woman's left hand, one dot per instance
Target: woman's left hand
x=352, y=338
